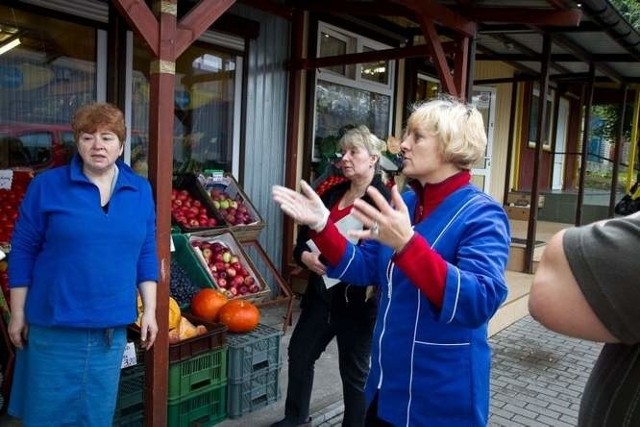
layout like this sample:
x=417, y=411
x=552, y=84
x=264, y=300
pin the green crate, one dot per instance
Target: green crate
x=130, y=403
x=252, y=352
x=205, y=370
x=259, y=390
x=204, y=407
x=188, y=260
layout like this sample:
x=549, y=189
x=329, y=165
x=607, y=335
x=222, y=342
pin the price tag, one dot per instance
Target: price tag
x=172, y=246
x=6, y=179
x=129, y=357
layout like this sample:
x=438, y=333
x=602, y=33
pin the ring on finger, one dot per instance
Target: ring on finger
x=375, y=228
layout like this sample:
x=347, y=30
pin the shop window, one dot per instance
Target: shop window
x=205, y=107
x=348, y=95
x=47, y=70
x=533, y=119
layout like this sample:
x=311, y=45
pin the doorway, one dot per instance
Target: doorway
x=484, y=99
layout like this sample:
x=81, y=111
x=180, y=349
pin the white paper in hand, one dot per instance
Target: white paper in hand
x=346, y=224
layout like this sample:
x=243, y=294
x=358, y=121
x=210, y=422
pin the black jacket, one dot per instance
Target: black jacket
x=341, y=296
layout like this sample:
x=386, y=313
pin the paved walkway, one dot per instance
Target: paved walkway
x=537, y=378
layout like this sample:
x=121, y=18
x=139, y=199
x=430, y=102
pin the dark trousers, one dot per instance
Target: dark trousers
x=316, y=327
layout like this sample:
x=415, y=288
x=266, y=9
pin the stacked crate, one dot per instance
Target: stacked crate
x=254, y=368
x=129, y=410
x=198, y=378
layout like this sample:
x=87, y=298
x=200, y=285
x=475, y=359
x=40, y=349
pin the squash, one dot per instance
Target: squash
x=206, y=304
x=174, y=313
x=239, y=316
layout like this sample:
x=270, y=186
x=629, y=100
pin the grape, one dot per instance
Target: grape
x=181, y=287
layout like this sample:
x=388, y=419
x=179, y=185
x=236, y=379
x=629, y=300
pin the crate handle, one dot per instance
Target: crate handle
x=200, y=384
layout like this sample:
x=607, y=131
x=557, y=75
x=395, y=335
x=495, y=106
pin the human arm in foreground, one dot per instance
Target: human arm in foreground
x=556, y=300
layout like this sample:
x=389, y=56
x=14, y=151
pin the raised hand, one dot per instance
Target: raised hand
x=389, y=223
x=304, y=208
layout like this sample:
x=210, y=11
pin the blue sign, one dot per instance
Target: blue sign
x=10, y=77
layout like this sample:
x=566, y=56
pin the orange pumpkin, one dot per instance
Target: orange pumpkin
x=206, y=304
x=240, y=316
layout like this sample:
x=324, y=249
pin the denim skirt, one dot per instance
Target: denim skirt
x=67, y=377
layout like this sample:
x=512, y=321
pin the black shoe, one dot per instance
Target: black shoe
x=285, y=422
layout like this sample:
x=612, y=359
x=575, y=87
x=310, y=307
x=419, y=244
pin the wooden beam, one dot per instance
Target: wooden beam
x=142, y=20
x=519, y=15
x=559, y=57
x=441, y=14
x=198, y=20
x=444, y=72
x=461, y=67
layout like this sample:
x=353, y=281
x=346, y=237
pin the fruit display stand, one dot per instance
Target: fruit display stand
x=227, y=267
x=7, y=360
x=197, y=380
x=233, y=205
x=191, y=206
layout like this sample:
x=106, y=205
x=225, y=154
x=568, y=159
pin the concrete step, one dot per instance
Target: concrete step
x=515, y=307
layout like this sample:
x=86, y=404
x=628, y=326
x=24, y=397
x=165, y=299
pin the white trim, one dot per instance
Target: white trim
x=223, y=40
x=101, y=65
x=128, y=94
x=90, y=9
x=237, y=96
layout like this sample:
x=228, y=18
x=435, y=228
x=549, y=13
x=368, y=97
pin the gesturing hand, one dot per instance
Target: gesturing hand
x=389, y=223
x=304, y=208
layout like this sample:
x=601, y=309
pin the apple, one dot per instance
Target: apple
x=249, y=280
x=231, y=272
x=226, y=256
x=206, y=253
x=222, y=282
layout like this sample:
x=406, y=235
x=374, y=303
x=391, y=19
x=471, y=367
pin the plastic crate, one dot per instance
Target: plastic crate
x=228, y=185
x=259, y=390
x=204, y=407
x=130, y=404
x=253, y=352
x=7, y=362
x=228, y=240
x=207, y=369
x=214, y=338
x=190, y=183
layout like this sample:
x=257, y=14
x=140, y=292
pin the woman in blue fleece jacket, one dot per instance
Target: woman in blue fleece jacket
x=438, y=253
x=83, y=246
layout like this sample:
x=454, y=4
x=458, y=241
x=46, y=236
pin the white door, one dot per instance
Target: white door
x=484, y=98
x=561, y=144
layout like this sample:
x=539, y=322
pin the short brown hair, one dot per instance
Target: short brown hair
x=90, y=117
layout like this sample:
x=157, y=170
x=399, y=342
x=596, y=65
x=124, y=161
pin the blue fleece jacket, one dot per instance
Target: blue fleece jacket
x=429, y=365
x=82, y=265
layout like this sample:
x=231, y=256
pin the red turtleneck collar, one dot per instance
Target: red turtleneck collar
x=431, y=195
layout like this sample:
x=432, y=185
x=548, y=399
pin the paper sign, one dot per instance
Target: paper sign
x=172, y=246
x=6, y=179
x=346, y=224
x=129, y=357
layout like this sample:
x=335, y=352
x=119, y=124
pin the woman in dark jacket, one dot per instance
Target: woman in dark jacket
x=340, y=310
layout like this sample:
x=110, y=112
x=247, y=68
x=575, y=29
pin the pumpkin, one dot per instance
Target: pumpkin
x=239, y=316
x=206, y=304
x=174, y=313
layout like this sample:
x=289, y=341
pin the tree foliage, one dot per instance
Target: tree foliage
x=630, y=10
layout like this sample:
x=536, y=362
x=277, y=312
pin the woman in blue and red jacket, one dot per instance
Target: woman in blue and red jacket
x=438, y=254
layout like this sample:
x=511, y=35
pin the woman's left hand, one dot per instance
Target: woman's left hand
x=389, y=223
x=148, y=329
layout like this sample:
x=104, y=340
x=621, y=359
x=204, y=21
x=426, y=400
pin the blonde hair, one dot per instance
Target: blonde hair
x=361, y=137
x=458, y=126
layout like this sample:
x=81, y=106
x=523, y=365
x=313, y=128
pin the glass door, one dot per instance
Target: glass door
x=484, y=98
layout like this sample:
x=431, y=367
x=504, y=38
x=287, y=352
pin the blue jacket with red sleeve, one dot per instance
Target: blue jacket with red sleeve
x=430, y=362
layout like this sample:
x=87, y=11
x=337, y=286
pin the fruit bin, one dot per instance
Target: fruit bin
x=195, y=373
x=252, y=352
x=189, y=183
x=7, y=361
x=203, y=407
x=226, y=184
x=213, y=339
x=212, y=262
x=259, y=390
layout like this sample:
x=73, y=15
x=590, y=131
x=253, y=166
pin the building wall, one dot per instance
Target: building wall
x=265, y=122
x=501, y=138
